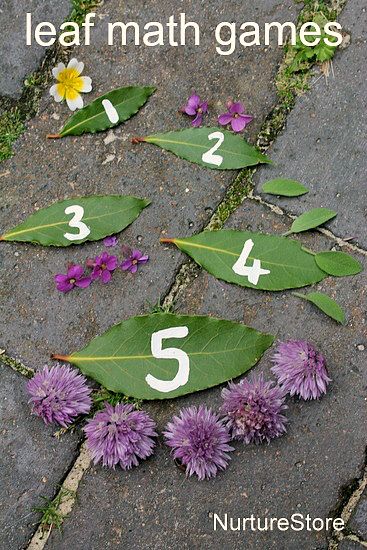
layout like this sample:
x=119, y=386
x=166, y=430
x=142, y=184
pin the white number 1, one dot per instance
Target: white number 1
x=209, y=156
x=76, y=221
x=183, y=372
x=252, y=273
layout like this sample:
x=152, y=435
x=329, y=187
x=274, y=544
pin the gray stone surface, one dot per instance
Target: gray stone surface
x=35, y=319
x=32, y=462
x=347, y=544
x=358, y=520
x=155, y=507
x=18, y=60
x=324, y=144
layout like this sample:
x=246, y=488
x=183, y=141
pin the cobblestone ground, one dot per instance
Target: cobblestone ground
x=318, y=468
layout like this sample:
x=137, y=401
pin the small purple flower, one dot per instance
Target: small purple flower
x=104, y=266
x=75, y=277
x=196, y=108
x=59, y=394
x=300, y=369
x=120, y=435
x=133, y=261
x=253, y=410
x=110, y=241
x=199, y=441
x=236, y=116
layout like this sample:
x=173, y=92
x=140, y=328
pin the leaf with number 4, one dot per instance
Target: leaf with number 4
x=210, y=147
x=284, y=188
x=161, y=356
x=107, y=111
x=74, y=221
x=311, y=219
x=329, y=306
x=255, y=260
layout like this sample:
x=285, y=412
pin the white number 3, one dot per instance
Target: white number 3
x=183, y=372
x=76, y=221
x=252, y=273
x=209, y=156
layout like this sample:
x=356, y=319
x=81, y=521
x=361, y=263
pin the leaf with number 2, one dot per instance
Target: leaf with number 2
x=265, y=262
x=74, y=221
x=161, y=356
x=210, y=147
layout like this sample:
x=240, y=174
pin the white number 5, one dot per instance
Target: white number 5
x=252, y=273
x=182, y=375
x=84, y=230
x=209, y=156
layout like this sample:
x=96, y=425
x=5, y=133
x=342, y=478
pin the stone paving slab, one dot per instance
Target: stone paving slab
x=348, y=544
x=324, y=143
x=36, y=320
x=18, y=59
x=358, y=521
x=155, y=507
x=32, y=462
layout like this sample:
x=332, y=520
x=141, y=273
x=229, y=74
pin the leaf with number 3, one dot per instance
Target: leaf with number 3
x=265, y=262
x=210, y=147
x=161, y=356
x=78, y=220
x=107, y=111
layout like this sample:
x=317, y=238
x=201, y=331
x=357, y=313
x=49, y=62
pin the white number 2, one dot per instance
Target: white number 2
x=183, y=372
x=209, y=157
x=76, y=221
x=252, y=273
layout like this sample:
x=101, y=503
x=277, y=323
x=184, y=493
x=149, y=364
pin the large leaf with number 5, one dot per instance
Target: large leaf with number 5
x=210, y=147
x=274, y=263
x=161, y=356
x=74, y=221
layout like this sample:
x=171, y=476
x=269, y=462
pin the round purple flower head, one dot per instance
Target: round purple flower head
x=300, y=369
x=199, y=440
x=59, y=394
x=120, y=435
x=253, y=410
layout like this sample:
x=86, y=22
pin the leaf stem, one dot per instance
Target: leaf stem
x=287, y=233
x=136, y=140
x=60, y=357
x=309, y=251
x=54, y=136
x=299, y=295
x=170, y=241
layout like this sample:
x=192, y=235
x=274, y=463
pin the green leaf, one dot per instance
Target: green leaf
x=210, y=147
x=208, y=352
x=312, y=219
x=284, y=187
x=338, y=264
x=93, y=118
x=74, y=221
x=218, y=252
x=329, y=306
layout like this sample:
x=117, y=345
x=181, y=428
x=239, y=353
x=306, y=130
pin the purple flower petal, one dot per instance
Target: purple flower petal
x=225, y=119
x=204, y=106
x=143, y=259
x=237, y=108
x=75, y=271
x=110, y=241
x=84, y=282
x=194, y=101
x=126, y=264
x=111, y=263
x=133, y=268
x=238, y=124
x=106, y=276
x=197, y=121
x=64, y=287
x=191, y=111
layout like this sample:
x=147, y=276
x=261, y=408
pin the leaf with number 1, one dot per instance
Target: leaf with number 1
x=210, y=147
x=107, y=111
x=74, y=221
x=161, y=356
x=255, y=260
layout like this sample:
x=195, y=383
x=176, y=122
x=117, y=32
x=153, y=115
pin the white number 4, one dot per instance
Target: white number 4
x=209, y=157
x=183, y=372
x=252, y=273
x=76, y=221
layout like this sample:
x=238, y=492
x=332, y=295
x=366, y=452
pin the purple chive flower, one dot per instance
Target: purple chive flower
x=300, y=369
x=59, y=394
x=110, y=241
x=199, y=441
x=120, y=435
x=253, y=410
x=196, y=108
x=75, y=277
x=104, y=266
x=236, y=116
x=135, y=258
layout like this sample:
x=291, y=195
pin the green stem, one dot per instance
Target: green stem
x=299, y=295
x=309, y=251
